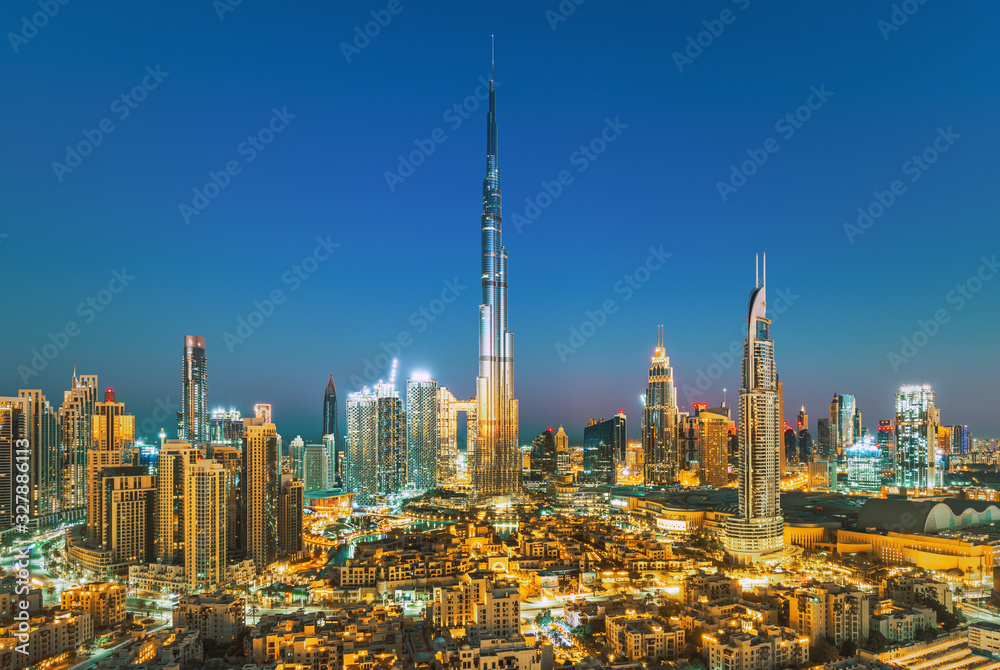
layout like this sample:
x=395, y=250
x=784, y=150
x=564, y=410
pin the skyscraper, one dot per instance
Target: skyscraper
x=262, y=410
x=713, y=438
x=175, y=458
x=823, y=438
x=758, y=529
x=917, y=420
x=604, y=444
x=844, y=418
x=562, y=442
x=803, y=419
x=496, y=466
x=112, y=436
x=45, y=475
x=331, y=426
x=290, y=507
x=12, y=412
x=261, y=487
x=421, y=432
x=864, y=471
x=543, y=454
x=194, y=422
x=886, y=441
x=74, y=423
x=226, y=428
x=659, y=421
x=376, y=443
x=205, y=526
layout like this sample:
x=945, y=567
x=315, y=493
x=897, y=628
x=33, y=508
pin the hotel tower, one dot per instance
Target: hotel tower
x=758, y=529
x=496, y=469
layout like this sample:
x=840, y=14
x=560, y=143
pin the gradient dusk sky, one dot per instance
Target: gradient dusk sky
x=888, y=90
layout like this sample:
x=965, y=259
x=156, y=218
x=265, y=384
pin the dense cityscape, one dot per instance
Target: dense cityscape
x=418, y=530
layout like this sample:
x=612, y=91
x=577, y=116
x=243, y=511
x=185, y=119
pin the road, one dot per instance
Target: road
x=92, y=660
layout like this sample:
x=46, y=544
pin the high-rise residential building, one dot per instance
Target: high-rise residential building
x=803, y=423
x=315, y=460
x=659, y=421
x=859, y=430
x=290, y=507
x=127, y=497
x=781, y=422
x=331, y=426
x=843, y=419
x=604, y=444
x=885, y=439
x=543, y=454
x=12, y=429
x=262, y=410
x=226, y=428
x=376, y=443
x=112, y=436
x=823, y=439
x=758, y=528
x=421, y=432
x=713, y=425
x=864, y=466
x=496, y=458
x=41, y=426
x=805, y=446
x=295, y=449
x=917, y=420
x=959, y=435
x=791, y=445
x=172, y=467
x=194, y=420
x=205, y=548
x=261, y=488
x=74, y=424
x=231, y=460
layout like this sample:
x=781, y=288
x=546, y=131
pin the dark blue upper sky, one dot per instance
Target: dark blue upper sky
x=851, y=296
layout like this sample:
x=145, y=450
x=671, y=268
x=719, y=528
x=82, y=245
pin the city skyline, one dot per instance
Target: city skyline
x=116, y=343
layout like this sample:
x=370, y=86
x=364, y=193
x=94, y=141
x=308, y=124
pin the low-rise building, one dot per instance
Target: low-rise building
x=765, y=648
x=170, y=648
x=704, y=587
x=48, y=636
x=105, y=602
x=219, y=618
x=900, y=624
x=636, y=638
x=840, y=613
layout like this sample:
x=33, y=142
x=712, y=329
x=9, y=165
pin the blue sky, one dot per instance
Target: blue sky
x=335, y=128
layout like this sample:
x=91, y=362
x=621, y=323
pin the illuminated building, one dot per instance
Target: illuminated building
x=112, y=435
x=421, y=432
x=758, y=648
x=758, y=528
x=262, y=411
x=635, y=638
x=885, y=438
x=781, y=422
x=495, y=461
x=791, y=445
x=205, y=528
x=843, y=421
x=921, y=550
x=261, y=487
x=375, y=443
x=41, y=428
x=290, y=508
x=176, y=456
x=562, y=443
x=331, y=426
x=226, y=428
x=659, y=421
x=864, y=466
x=103, y=600
x=231, y=461
x=448, y=409
x=803, y=419
x=917, y=420
x=11, y=430
x=823, y=437
x=713, y=425
x=194, y=414
x=805, y=446
x=220, y=618
x=604, y=445
x=315, y=476
x=74, y=424
x=839, y=613
x=958, y=440
x=479, y=605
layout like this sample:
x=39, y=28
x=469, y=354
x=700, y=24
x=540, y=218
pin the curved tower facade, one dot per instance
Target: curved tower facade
x=759, y=528
x=496, y=466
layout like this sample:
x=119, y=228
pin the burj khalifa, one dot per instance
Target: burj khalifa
x=496, y=466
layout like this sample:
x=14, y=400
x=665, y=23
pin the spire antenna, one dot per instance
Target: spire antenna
x=492, y=54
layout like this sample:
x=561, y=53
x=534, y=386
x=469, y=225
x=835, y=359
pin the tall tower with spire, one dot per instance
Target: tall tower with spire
x=660, y=444
x=496, y=467
x=758, y=529
x=331, y=426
